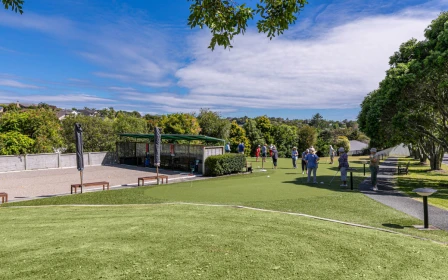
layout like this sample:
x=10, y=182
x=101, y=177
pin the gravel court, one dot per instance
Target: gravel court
x=34, y=184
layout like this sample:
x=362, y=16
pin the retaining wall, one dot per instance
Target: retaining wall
x=46, y=161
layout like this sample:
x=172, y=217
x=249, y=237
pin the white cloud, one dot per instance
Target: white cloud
x=16, y=84
x=334, y=70
x=53, y=99
x=51, y=25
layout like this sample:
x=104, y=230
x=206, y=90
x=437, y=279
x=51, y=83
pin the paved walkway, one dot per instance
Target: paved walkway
x=33, y=184
x=445, y=158
x=389, y=196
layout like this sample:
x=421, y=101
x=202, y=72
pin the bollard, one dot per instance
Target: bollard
x=351, y=180
x=364, y=169
x=425, y=212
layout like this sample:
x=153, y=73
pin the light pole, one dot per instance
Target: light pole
x=425, y=192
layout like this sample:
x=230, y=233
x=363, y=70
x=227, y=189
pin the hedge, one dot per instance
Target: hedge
x=224, y=164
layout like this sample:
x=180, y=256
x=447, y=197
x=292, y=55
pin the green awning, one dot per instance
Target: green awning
x=185, y=137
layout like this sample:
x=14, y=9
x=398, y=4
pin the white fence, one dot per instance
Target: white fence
x=46, y=161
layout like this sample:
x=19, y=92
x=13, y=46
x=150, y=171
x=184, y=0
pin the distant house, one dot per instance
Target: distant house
x=88, y=112
x=25, y=105
x=1, y=109
x=357, y=147
x=62, y=114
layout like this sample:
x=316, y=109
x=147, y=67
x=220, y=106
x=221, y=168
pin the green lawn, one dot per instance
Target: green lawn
x=190, y=242
x=421, y=176
x=160, y=241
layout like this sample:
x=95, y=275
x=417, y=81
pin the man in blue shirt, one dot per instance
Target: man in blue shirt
x=312, y=162
x=241, y=148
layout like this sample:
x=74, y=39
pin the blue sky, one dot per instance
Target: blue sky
x=141, y=55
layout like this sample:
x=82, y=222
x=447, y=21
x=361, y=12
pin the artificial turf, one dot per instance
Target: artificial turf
x=283, y=189
x=191, y=242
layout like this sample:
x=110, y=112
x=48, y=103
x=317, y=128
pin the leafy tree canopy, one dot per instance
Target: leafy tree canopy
x=15, y=5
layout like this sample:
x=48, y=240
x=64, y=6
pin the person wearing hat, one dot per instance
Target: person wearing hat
x=257, y=153
x=331, y=154
x=304, y=154
x=312, y=161
x=295, y=156
x=343, y=165
x=374, y=166
x=274, y=156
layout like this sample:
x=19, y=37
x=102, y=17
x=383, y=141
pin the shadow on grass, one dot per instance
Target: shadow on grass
x=421, y=176
x=331, y=183
x=395, y=226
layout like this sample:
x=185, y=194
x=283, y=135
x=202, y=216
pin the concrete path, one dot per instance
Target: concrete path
x=389, y=196
x=33, y=184
x=445, y=158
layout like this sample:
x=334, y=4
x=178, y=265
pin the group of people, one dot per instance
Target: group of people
x=310, y=161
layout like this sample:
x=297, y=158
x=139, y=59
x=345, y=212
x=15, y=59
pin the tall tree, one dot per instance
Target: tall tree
x=212, y=124
x=253, y=134
x=41, y=125
x=265, y=126
x=129, y=124
x=98, y=133
x=179, y=123
x=285, y=138
x=307, y=137
x=238, y=135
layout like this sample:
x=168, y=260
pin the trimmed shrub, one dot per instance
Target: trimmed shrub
x=224, y=164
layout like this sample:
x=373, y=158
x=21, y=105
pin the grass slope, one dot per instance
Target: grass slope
x=421, y=176
x=188, y=242
x=285, y=189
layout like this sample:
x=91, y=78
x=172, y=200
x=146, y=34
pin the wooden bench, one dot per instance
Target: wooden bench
x=4, y=197
x=104, y=184
x=404, y=170
x=143, y=179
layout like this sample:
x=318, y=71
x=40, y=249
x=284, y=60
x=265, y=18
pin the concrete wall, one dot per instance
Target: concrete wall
x=12, y=163
x=210, y=151
x=46, y=161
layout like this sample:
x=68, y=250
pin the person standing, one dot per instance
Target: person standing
x=274, y=156
x=295, y=156
x=241, y=148
x=257, y=153
x=227, y=148
x=304, y=154
x=374, y=167
x=331, y=154
x=312, y=162
x=264, y=150
x=270, y=149
x=343, y=166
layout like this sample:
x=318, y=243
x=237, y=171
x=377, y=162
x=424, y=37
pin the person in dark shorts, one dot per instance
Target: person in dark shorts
x=274, y=156
x=304, y=154
x=264, y=150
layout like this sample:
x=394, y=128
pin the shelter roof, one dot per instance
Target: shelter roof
x=174, y=137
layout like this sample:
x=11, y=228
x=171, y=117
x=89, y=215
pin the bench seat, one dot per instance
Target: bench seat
x=403, y=170
x=143, y=179
x=4, y=197
x=104, y=184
